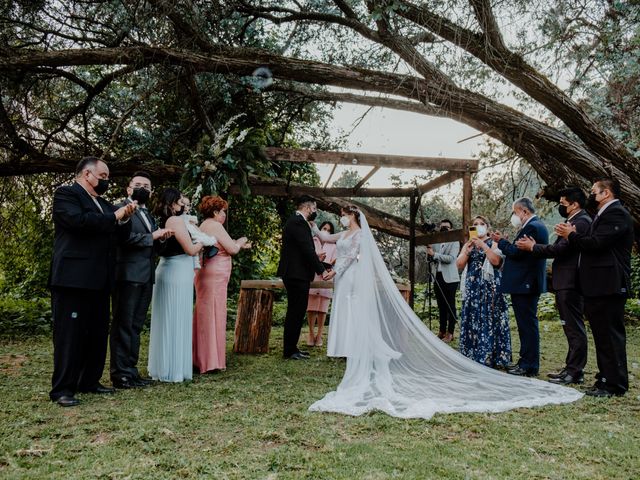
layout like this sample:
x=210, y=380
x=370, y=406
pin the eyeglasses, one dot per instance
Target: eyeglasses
x=146, y=186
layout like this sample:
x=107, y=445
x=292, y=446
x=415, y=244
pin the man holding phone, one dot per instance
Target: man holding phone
x=442, y=257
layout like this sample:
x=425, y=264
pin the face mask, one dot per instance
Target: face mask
x=515, y=221
x=482, y=230
x=344, y=220
x=562, y=210
x=592, y=203
x=181, y=211
x=141, y=194
x=102, y=187
x=312, y=216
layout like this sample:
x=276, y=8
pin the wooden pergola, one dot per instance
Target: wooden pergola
x=328, y=198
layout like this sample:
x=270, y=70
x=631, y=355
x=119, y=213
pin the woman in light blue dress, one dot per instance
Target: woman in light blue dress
x=172, y=304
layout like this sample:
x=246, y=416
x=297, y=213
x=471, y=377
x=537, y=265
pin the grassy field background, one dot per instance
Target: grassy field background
x=252, y=422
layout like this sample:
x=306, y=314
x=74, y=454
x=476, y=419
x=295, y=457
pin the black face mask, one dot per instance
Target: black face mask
x=180, y=212
x=312, y=216
x=562, y=210
x=102, y=187
x=141, y=194
x=592, y=203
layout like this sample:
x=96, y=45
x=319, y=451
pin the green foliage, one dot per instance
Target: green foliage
x=20, y=317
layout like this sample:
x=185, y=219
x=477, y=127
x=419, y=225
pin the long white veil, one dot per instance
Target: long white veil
x=400, y=367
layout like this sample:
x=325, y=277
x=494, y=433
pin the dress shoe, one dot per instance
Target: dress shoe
x=441, y=334
x=303, y=353
x=99, y=389
x=297, y=356
x=448, y=338
x=144, y=380
x=67, y=401
x=559, y=374
x=124, y=383
x=567, y=379
x=522, y=372
x=601, y=393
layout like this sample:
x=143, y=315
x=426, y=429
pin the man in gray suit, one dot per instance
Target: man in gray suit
x=135, y=274
x=445, y=278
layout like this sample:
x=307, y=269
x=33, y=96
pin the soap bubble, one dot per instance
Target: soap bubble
x=261, y=78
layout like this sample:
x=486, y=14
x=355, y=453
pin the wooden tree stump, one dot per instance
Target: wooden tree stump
x=253, y=322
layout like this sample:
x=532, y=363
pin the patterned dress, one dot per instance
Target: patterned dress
x=484, y=319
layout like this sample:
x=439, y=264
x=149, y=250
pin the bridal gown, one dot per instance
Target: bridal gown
x=395, y=364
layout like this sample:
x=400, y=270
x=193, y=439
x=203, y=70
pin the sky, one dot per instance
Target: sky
x=397, y=132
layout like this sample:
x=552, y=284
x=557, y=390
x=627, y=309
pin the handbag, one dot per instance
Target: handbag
x=211, y=251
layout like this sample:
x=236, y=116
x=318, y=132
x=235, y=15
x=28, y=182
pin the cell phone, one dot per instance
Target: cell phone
x=473, y=232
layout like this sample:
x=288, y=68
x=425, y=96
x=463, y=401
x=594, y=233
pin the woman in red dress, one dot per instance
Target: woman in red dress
x=210, y=315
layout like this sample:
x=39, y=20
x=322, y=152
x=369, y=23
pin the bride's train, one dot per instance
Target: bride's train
x=396, y=365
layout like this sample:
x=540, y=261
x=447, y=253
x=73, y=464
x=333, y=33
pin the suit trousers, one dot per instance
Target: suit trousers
x=570, y=306
x=130, y=306
x=446, y=300
x=297, y=299
x=606, y=317
x=525, y=309
x=80, y=330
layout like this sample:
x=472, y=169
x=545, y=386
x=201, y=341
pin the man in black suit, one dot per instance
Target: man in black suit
x=81, y=277
x=298, y=264
x=565, y=284
x=135, y=274
x=604, y=273
x=524, y=277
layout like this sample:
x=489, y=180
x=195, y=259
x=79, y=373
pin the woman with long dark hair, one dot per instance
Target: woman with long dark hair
x=172, y=304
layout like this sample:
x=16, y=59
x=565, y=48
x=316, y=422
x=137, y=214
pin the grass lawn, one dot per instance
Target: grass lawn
x=252, y=422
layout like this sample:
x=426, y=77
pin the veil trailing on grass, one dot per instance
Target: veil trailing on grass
x=400, y=367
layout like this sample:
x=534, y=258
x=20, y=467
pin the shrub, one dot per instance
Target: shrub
x=20, y=317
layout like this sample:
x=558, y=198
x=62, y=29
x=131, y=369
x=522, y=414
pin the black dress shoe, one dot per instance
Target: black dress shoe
x=67, y=401
x=99, y=389
x=559, y=374
x=568, y=379
x=297, y=356
x=303, y=353
x=144, y=381
x=124, y=383
x=521, y=372
x=601, y=393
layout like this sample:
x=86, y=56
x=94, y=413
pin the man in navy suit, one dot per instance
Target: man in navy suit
x=524, y=277
x=564, y=278
x=87, y=229
x=135, y=274
x=298, y=264
x=604, y=274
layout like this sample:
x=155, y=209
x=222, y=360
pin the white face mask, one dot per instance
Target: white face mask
x=482, y=230
x=515, y=221
x=344, y=220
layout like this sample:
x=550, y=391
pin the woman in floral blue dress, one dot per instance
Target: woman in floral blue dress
x=484, y=319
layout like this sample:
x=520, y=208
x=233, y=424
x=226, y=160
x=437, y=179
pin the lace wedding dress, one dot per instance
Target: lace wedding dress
x=396, y=364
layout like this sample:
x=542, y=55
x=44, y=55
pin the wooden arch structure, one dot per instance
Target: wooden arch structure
x=331, y=199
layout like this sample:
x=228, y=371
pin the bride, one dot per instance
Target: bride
x=394, y=363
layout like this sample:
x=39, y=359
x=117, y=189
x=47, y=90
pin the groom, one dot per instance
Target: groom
x=298, y=264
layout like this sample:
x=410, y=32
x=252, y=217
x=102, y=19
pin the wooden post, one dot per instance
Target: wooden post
x=414, y=201
x=466, y=203
x=253, y=322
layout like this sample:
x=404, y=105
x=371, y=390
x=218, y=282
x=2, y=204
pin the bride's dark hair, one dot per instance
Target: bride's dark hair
x=352, y=210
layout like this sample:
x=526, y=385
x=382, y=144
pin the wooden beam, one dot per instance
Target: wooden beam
x=414, y=202
x=295, y=190
x=439, y=237
x=438, y=182
x=374, y=160
x=366, y=177
x=326, y=184
x=466, y=201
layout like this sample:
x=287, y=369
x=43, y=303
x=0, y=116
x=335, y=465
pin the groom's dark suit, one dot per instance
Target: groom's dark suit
x=298, y=263
x=81, y=277
x=135, y=274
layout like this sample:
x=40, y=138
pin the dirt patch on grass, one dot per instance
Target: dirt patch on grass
x=12, y=364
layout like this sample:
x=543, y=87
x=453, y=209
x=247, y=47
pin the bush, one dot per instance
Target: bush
x=21, y=318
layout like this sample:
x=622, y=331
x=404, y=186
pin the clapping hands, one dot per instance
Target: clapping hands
x=525, y=243
x=564, y=229
x=124, y=212
x=497, y=236
x=162, y=234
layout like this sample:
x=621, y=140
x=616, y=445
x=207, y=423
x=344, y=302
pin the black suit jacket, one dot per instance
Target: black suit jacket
x=85, y=240
x=298, y=258
x=564, y=272
x=523, y=273
x=136, y=254
x=605, y=253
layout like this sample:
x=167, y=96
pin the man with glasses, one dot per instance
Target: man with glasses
x=604, y=274
x=135, y=274
x=87, y=229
